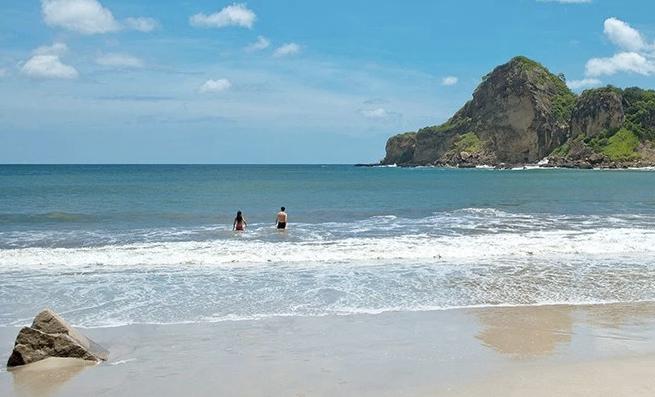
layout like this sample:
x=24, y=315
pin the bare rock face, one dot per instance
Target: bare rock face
x=51, y=336
x=520, y=113
x=432, y=143
x=597, y=112
x=400, y=149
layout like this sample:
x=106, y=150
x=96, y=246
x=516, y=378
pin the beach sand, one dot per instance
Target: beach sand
x=600, y=350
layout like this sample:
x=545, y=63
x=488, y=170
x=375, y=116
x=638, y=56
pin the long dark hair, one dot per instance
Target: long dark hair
x=239, y=217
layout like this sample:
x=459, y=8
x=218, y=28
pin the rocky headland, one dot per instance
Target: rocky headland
x=522, y=114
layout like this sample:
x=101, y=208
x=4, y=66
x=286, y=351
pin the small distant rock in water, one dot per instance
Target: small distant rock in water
x=51, y=336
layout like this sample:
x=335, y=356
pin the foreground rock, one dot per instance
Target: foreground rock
x=51, y=336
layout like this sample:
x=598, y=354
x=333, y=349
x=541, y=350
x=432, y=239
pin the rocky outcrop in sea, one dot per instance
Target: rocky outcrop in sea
x=523, y=114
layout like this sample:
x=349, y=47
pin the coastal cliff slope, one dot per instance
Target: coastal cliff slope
x=521, y=113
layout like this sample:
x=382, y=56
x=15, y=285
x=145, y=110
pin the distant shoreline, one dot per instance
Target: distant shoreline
x=511, y=167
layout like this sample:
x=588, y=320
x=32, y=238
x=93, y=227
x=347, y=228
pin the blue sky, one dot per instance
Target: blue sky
x=118, y=81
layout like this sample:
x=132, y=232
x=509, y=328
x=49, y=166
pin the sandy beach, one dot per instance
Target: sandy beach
x=603, y=350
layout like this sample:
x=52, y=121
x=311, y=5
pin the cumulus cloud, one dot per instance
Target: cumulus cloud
x=261, y=44
x=211, y=86
x=286, y=50
x=89, y=17
x=57, y=48
x=83, y=16
x=46, y=63
x=48, y=67
x=232, y=15
x=142, y=24
x=584, y=83
x=635, y=55
x=623, y=35
x=621, y=62
x=118, y=60
x=449, y=80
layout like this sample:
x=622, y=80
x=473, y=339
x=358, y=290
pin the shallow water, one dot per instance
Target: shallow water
x=111, y=245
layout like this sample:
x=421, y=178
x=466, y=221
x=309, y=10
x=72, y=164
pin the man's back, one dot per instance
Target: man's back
x=282, y=219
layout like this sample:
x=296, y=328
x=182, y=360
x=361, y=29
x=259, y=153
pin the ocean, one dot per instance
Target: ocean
x=109, y=245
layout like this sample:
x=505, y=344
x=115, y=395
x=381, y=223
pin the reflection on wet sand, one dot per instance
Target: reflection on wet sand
x=45, y=377
x=618, y=315
x=525, y=331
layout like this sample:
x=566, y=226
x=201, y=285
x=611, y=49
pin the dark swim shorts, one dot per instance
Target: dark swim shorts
x=281, y=225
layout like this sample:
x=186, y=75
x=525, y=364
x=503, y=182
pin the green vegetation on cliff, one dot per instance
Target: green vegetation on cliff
x=468, y=142
x=449, y=125
x=621, y=146
x=565, y=148
x=564, y=100
x=563, y=105
x=639, y=107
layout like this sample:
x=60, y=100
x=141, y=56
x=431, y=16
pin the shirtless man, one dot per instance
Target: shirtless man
x=281, y=219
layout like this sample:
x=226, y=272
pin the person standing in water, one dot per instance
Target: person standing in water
x=281, y=219
x=239, y=222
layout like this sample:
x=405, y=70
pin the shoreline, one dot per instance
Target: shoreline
x=458, y=352
x=512, y=167
x=426, y=310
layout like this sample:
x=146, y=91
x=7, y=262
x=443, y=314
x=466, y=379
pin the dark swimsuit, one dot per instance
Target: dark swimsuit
x=281, y=225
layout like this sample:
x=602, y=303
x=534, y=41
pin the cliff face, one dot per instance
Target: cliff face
x=400, y=149
x=521, y=113
x=610, y=127
x=596, y=112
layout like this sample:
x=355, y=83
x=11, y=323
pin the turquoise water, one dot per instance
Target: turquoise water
x=111, y=245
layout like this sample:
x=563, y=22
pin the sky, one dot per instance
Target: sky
x=136, y=81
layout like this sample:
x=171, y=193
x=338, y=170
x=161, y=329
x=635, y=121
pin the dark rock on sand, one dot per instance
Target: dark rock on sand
x=51, y=336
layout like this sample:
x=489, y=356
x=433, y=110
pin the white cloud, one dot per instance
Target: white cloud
x=449, y=80
x=286, y=49
x=89, y=17
x=583, y=83
x=219, y=85
x=83, y=16
x=621, y=62
x=232, y=15
x=118, y=60
x=623, y=35
x=636, y=55
x=261, y=43
x=142, y=24
x=46, y=63
x=378, y=113
x=57, y=48
x=48, y=67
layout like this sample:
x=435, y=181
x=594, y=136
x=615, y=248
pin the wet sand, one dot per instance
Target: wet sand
x=547, y=350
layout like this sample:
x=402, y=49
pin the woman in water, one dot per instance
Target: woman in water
x=239, y=222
